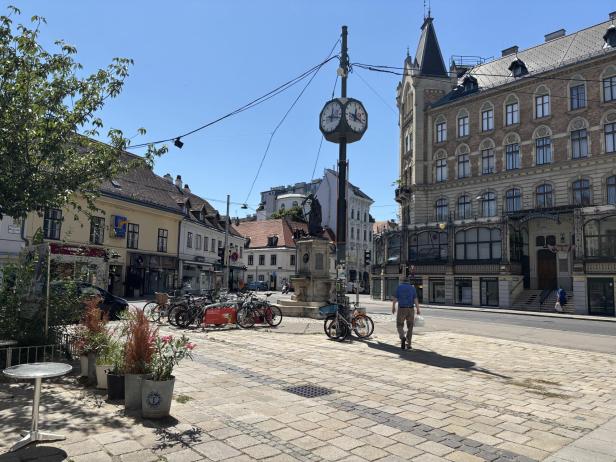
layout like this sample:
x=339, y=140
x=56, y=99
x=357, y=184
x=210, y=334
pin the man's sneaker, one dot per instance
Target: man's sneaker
x=403, y=346
x=408, y=347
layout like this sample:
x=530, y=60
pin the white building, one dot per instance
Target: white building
x=11, y=242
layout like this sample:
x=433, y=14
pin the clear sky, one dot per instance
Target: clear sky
x=197, y=60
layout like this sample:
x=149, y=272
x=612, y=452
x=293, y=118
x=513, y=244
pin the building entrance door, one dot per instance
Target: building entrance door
x=546, y=269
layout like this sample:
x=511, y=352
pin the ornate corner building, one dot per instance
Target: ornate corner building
x=507, y=185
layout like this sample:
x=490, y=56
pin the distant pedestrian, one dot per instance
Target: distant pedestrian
x=406, y=297
x=562, y=296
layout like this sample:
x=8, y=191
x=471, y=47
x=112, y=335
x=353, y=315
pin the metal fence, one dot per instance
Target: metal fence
x=63, y=349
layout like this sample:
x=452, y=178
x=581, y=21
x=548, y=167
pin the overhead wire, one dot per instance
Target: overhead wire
x=389, y=106
x=316, y=161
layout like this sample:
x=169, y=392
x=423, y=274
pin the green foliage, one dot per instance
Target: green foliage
x=168, y=352
x=295, y=213
x=48, y=115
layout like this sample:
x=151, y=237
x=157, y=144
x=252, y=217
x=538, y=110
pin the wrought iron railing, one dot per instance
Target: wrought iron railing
x=64, y=349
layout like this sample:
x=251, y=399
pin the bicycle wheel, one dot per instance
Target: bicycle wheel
x=183, y=318
x=245, y=318
x=173, y=311
x=152, y=311
x=363, y=326
x=336, y=329
x=273, y=315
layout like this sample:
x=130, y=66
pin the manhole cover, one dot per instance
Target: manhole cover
x=309, y=391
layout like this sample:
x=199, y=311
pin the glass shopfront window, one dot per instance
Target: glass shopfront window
x=428, y=246
x=600, y=238
x=601, y=296
x=464, y=291
x=437, y=291
x=489, y=291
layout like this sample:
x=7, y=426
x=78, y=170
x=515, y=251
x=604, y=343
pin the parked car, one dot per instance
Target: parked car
x=110, y=304
x=257, y=285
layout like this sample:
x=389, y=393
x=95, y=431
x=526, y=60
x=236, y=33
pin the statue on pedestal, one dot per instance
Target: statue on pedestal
x=314, y=216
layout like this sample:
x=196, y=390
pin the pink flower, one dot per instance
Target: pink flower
x=167, y=339
x=190, y=346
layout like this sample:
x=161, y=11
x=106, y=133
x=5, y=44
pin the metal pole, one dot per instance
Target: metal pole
x=341, y=218
x=225, y=255
x=357, y=279
x=47, y=295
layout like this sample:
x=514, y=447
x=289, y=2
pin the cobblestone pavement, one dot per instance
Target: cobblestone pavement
x=290, y=394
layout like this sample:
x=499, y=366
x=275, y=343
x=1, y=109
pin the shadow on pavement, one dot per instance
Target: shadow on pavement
x=33, y=453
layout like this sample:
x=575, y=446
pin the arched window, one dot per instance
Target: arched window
x=611, y=190
x=579, y=138
x=488, y=204
x=577, y=93
x=428, y=246
x=441, y=210
x=440, y=128
x=478, y=244
x=581, y=192
x=544, y=196
x=282, y=207
x=463, y=124
x=609, y=132
x=609, y=84
x=487, y=117
x=464, y=166
x=513, y=200
x=542, y=102
x=543, y=146
x=512, y=110
x=464, y=207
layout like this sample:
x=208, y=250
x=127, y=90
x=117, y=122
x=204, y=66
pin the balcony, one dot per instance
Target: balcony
x=403, y=194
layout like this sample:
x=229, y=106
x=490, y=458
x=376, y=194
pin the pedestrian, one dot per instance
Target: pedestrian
x=562, y=296
x=406, y=297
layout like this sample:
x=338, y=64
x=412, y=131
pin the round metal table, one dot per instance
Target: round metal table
x=38, y=372
x=9, y=344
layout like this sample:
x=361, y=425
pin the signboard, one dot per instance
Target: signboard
x=82, y=251
x=119, y=226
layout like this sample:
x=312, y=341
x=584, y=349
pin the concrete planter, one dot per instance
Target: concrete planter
x=115, y=387
x=101, y=375
x=83, y=363
x=132, y=391
x=91, y=368
x=156, y=398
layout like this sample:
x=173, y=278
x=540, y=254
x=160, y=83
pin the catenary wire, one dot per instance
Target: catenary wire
x=389, y=106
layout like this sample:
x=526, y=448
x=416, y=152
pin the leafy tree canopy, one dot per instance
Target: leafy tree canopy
x=48, y=119
x=296, y=213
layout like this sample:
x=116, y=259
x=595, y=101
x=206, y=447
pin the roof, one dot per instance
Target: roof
x=381, y=226
x=428, y=58
x=355, y=189
x=292, y=196
x=575, y=47
x=258, y=232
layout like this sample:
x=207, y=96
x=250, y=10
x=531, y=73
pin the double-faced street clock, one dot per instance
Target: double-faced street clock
x=343, y=119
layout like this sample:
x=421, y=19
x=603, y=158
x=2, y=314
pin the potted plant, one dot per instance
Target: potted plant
x=81, y=348
x=138, y=354
x=104, y=360
x=115, y=374
x=157, y=388
x=93, y=334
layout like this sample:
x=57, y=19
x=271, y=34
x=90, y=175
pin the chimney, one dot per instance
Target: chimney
x=178, y=182
x=613, y=15
x=554, y=35
x=169, y=178
x=186, y=188
x=509, y=51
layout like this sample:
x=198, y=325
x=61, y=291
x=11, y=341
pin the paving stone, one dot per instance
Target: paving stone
x=330, y=452
x=93, y=457
x=242, y=441
x=404, y=450
x=185, y=455
x=123, y=447
x=261, y=451
x=82, y=447
x=369, y=452
x=383, y=430
x=139, y=456
x=308, y=442
x=216, y=450
x=434, y=448
x=459, y=456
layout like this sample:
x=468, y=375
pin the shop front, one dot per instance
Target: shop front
x=197, y=276
x=79, y=262
x=147, y=274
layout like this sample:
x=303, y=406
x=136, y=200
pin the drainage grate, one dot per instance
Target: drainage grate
x=309, y=391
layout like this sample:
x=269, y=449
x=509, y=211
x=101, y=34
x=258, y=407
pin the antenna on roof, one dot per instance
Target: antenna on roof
x=424, y=10
x=429, y=9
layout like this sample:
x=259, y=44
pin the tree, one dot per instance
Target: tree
x=295, y=213
x=48, y=119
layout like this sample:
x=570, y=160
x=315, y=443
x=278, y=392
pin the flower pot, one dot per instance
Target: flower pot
x=156, y=398
x=115, y=387
x=83, y=363
x=132, y=391
x=91, y=368
x=101, y=375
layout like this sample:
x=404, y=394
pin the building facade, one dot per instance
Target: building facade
x=11, y=240
x=508, y=176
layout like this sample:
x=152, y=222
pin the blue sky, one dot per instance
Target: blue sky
x=197, y=60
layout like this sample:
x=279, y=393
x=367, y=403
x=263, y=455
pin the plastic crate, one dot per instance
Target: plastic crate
x=328, y=309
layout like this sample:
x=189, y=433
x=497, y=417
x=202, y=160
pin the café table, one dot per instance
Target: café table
x=38, y=372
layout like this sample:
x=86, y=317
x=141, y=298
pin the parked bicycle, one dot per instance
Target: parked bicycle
x=337, y=326
x=255, y=310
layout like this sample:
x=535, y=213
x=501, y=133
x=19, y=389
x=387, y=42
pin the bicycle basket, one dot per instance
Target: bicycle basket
x=328, y=309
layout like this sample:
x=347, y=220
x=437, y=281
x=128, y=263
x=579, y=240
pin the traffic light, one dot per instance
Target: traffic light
x=367, y=257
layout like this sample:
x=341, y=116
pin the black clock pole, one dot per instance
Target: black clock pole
x=341, y=213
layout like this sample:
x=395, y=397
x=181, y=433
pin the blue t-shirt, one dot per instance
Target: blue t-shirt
x=406, y=295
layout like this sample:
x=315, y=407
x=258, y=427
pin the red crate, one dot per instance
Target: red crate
x=219, y=315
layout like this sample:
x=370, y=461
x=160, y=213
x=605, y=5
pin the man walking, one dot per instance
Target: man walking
x=406, y=296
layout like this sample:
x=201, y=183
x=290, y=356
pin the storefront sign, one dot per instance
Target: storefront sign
x=82, y=251
x=119, y=226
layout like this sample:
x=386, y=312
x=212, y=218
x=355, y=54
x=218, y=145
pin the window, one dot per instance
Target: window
x=544, y=196
x=464, y=291
x=577, y=96
x=610, y=137
x=441, y=132
x=579, y=144
x=241, y=252
x=261, y=259
x=292, y=260
x=352, y=213
x=513, y=199
x=213, y=245
x=464, y=207
x=542, y=106
x=463, y=128
x=132, y=242
x=512, y=114
x=488, y=204
x=478, y=244
x=352, y=233
x=189, y=240
x=365, y=235
x=220, y=244
x=464, y=166
x=441, y=170
x=198, y=242
x=261, y=278
x=581, y=192
x=52, y=223
x=428, y=246
x=205, y=244
x=97, y=230
x=487, y=161
x=273, y=260
x=487, y=120
x=489, y=291
x=512, y=155
x=441, y=210
x=600, y=238
x=611, y=190
x=609, y=89
x=407, y=142
x=163, y=235
x=272, y=241
x=251, y=260
x=543, y=150
x=366, y=217
x=295, y=204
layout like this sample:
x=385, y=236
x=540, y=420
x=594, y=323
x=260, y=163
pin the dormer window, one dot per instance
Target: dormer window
x=470, y=84
x=272, y=241
x=518, y=68
x=610, y=37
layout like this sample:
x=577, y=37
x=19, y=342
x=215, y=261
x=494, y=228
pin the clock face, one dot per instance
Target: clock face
x=330, y=116
x=306, y=257
x=356, y=116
